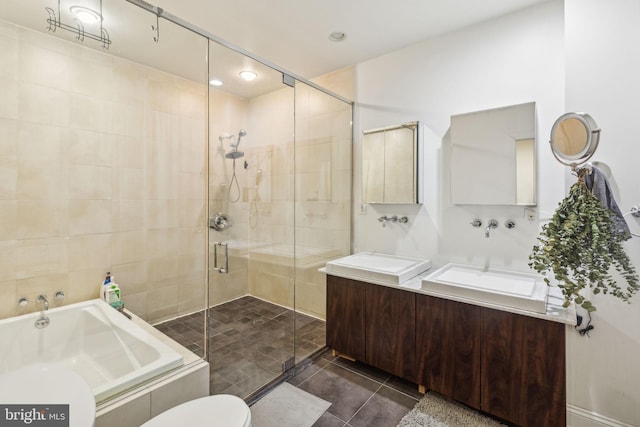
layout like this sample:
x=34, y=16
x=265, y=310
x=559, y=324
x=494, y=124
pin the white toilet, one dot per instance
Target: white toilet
x=217, y=410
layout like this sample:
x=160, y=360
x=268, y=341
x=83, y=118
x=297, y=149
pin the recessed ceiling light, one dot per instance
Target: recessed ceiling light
x=86, y=15
x=215, y=82
x=248, y=75
x=337, y=36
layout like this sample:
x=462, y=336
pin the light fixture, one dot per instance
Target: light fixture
x=81, y=16
x=337, y=36
x=248, y=75
x=85, y=15
x=215, y=82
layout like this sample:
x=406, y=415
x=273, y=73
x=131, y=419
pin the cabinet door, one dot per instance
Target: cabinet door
x=346, y=316
x=391, y=326
x=523, y=369
x=448, y=348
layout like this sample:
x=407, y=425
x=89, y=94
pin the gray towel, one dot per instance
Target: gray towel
x=597, y=183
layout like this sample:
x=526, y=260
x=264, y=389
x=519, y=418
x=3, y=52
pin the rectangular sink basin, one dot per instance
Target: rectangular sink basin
x=378, y=267
x=524, y=291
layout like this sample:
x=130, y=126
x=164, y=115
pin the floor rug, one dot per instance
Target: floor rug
x=289, y=406
x=434, y=410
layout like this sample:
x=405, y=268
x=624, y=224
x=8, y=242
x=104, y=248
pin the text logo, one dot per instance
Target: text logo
x=34, y=415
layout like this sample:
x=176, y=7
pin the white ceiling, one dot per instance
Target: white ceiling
x=294, y=34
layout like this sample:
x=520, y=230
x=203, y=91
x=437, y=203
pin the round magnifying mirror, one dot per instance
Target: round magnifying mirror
x=574, y=138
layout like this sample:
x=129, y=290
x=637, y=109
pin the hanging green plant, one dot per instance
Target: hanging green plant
x=581, y=246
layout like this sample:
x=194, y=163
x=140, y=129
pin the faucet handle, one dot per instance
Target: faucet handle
x=510, y=224
x=476, y=223
x=23, y=302
x=59, y=295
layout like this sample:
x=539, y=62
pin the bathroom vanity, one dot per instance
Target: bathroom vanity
x=503, y=362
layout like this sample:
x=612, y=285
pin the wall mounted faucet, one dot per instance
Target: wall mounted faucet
x=384, y=219
x=492, y=224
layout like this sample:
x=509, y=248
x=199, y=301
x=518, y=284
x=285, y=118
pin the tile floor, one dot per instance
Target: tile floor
x=249, y=339
x=359, y=394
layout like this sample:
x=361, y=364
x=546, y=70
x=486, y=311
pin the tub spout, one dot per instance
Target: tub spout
x=43, y=320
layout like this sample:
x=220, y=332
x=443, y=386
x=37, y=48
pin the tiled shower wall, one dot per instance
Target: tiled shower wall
x=102, y=168
x=289, y=195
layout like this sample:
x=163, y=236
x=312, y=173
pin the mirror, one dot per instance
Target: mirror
x=574, y=138
x=390, y=168
x=493, y=156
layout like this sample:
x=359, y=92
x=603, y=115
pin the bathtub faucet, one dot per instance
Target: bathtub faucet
x=43, y=320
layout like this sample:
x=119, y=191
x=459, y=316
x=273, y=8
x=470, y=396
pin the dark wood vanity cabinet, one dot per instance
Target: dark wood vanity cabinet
x=508, y=365
x=391, y=325
x=373, y=324
x=523, y=369
x=448, y=348
x=346, y=316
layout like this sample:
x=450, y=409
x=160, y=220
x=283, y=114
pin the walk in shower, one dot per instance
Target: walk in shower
x=212, y=199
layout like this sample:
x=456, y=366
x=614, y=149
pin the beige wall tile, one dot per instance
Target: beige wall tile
x=43, y=67
x=129, y=184
x=90, y=113
x=9, y=299
x=8, y=260
x=41, y=218
x=10, y=100
x=8, y=142
x=8, y=219
x=129, y=247
x=89, y=216
x=132, y=277
x=129, y=215
x=161, y=303
x=130, y=152
x=90, y=182
x=44, y=105
x=92, y=78
x=39, y=257
x=90, y=251
x=8, y=182
x=84, y=284
x=9, y=61
x=44, y=40
x=90, y=148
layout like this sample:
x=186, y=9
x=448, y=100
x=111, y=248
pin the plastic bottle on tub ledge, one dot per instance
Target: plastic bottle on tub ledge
x=106, y=284
x=111, y=292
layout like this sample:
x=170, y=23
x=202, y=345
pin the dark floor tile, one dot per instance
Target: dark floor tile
x=329, y=420
x=406, y=387
x=345, y=390
x=385, y=409
x=363, y=369
x=310, y=370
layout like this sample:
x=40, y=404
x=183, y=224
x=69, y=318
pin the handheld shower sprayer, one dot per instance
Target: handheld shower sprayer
x=234, y=154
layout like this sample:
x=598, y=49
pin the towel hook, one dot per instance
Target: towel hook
x=634, y=212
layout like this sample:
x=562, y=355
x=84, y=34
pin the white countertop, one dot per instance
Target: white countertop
x=555, y=311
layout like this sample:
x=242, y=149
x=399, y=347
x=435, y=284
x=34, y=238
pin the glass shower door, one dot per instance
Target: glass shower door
x=250, y=210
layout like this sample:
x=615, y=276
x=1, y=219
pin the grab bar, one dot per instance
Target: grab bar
x=224, y=269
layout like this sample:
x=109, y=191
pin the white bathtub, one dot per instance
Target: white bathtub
x=108, y=350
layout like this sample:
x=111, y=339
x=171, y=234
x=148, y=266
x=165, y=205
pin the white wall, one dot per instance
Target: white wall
x=519, y=58
x=602, y=69
x=510, y=60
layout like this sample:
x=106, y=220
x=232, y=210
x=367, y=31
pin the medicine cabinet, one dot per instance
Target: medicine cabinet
x=493, y=156
x=391, y=164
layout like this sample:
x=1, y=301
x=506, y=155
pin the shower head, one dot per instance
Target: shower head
x=235, y=154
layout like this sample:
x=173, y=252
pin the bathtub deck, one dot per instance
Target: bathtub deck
x=249, y=339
